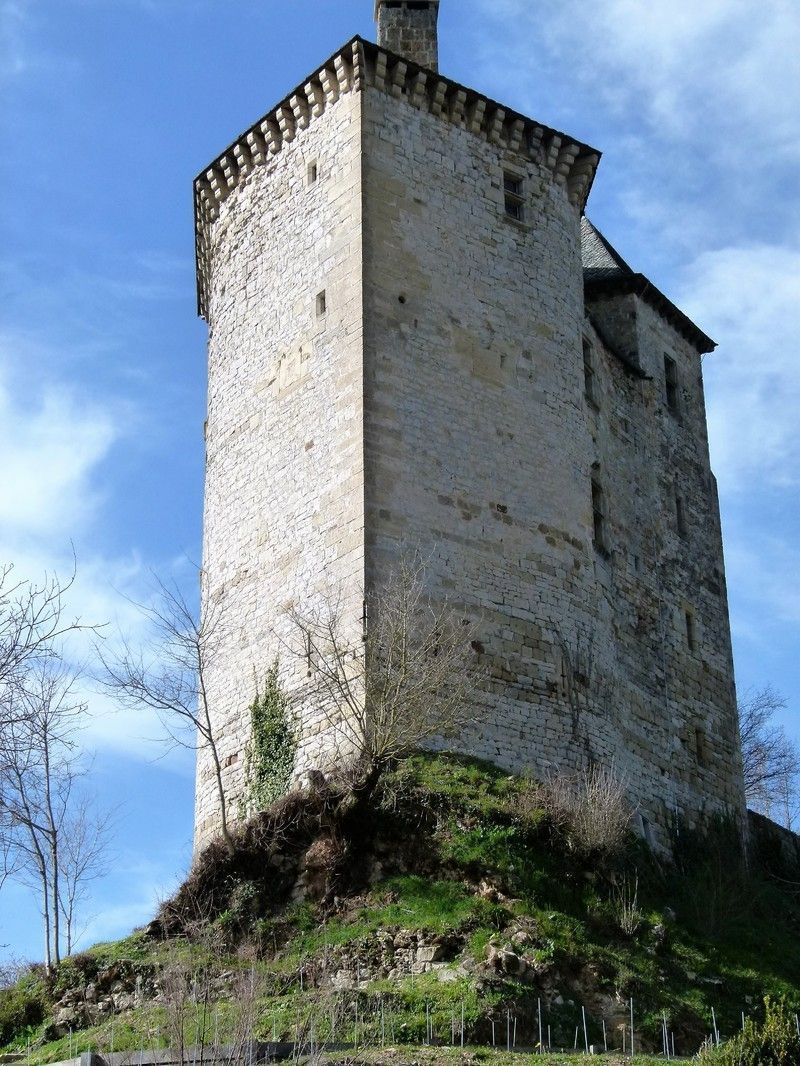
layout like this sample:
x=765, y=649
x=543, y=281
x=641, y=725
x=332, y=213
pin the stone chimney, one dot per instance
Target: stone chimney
x=409, y=27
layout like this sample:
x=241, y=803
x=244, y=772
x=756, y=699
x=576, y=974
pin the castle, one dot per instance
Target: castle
x=417, y=336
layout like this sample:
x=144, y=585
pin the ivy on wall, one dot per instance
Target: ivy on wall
x=273, y=745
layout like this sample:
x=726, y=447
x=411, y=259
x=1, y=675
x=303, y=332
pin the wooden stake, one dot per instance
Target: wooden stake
x=585, y=1030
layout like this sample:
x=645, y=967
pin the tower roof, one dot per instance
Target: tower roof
x=600, y=259
x=605, y=273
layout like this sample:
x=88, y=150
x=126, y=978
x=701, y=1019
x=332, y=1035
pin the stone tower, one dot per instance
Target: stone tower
x=410, y=28
x=417, y=337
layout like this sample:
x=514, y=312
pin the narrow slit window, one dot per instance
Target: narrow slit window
x=691, y=631
x=322, y=304
x=671, y=385
x=700, y=747
x=680, y=516
x=589, y=382
x=599, y=517
x=514, y=192
x=313, y=172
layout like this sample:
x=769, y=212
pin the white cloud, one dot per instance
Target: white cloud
x=680, y=64
x=49, y=450
x=149, y=887
x=765, y=578
x=12, y=49
x=53, y=444
x=748, y=299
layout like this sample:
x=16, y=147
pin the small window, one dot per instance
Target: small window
x=599, y=517
x=680, y=516
x=691, y=631
x=588, y=373
x=671, y=384
x=701, y=747
x=514, y=191
x=322, y=304
x=313, y=172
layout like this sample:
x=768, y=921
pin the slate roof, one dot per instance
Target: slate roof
x=600, y=260
x=605, y=273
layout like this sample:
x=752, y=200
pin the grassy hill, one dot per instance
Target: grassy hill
x=457, y=901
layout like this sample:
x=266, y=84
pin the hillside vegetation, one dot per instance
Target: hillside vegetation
x=454, y=901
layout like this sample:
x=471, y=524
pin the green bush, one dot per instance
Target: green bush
x=22, y=1006
x=273, y=745
x=773, y=1043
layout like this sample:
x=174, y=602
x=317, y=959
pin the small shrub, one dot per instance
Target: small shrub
x=22, y=1006
x=773, y=1043
x=625, y=900
x=590, y=809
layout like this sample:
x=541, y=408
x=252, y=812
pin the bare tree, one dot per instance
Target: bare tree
x=405, y=676
x=38, y=772
x=170, y=675
x=85, y=842
x=8, y=860
x=771, y=759
x=33, y=625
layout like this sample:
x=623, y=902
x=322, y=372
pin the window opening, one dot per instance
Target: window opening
x=599, y=516
x=691, y=631
x=313, y=172
x=700, y=747
x=680, y=516
x=588, y=373
x=322, y=304
x=513, y=188
x=671, y=384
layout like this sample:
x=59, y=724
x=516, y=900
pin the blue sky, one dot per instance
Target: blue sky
x=108, y=108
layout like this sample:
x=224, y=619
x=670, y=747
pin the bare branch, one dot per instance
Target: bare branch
x=39, y=769
x=771, y=759
x=85, y=843
x=404, y=675
x=169, y=675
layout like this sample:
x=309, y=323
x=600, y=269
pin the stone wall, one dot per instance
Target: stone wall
x=774, y=849
x=664, y=561
x=397, y=364
x=284, y=476
x=481, y=449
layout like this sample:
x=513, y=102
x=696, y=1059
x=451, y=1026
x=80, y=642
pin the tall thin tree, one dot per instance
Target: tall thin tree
x=39, y=768
x=169, y=674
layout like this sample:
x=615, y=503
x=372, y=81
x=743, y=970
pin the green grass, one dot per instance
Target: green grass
x=472, y=1056
x=708, y=936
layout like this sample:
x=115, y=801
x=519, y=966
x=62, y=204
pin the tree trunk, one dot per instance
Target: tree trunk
x=56, y=908
x=223, y=806
x=48, y=959
x=359, y=797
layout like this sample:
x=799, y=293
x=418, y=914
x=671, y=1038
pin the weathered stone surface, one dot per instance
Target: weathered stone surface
x=410, y=32
x=436, y=399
